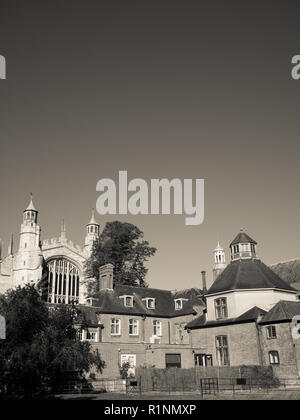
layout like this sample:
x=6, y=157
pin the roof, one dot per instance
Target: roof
x=249, y=316
x=248, y=274
x=284, y=310
x=31, y=205
x=93, y=220
x=243, y=238
x=110, y=301
x=219, y=247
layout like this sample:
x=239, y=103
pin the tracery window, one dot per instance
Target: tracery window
x=63, y=281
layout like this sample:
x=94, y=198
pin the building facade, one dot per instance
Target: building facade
x=247, y=316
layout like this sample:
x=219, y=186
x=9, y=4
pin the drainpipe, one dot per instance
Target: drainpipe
x=258, y=333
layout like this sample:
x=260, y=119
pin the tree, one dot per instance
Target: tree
x=122, y=245
x=40, y=343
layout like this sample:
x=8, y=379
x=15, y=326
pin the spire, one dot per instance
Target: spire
x=31, y=205
x=11, y=245
x=93, y=220
x=63, y=229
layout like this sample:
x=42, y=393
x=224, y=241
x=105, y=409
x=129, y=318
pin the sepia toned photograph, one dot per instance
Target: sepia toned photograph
x=149, y=216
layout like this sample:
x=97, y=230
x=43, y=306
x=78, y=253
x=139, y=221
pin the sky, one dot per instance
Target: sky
x=162, y=89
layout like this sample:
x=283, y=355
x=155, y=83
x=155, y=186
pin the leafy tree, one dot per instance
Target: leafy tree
x=122, y=245
x=40, y=343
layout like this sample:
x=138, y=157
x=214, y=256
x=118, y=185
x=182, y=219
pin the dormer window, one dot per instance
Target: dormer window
x=179, y=303
x=150, y=303
x=128, y=300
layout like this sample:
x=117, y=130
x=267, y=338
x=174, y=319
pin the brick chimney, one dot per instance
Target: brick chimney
x=106, y=277
x=204, y=288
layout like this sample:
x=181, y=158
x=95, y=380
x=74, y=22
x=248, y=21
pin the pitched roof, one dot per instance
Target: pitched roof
x=110, y=301
x=243, y=238
x=248, y=274
x=249, y=316
x=283, y=311
x=31, y=205
x=93, y=220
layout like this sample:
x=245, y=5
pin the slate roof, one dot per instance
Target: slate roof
x=109, y=301
x=243, y=238
x=249, y=316
x=248, y=274
x=283, y=311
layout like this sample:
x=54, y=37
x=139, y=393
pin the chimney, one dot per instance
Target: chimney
x=106, y=277
x=204, y=281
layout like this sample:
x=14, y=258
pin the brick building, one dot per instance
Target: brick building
x=245, y=318
x=248, y=316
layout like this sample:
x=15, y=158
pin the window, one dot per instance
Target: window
x=173, y=360
x=271, y=332
x=157, y=328
x=133, y=327
x=115, y=326
x=91, y=336
x=203, y=359
x=150, y=303
x=131, y=359
x=274, y=357
x=178, y=304
x=222, y=350
x=236, y=249
x=129, y=301
x=79, y=335
x=63, y=281
x=221, y=308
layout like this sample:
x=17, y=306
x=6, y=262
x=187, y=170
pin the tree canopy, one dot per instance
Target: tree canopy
x=40, y=344
x=123, y=245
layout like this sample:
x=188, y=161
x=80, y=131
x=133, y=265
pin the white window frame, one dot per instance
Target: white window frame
x=131, y=359
x=178, y=304
x=132, y=323
x=150, y=300
x=179, y=300
x=116, y=323
x=93, y=336
x=157, y=325
x=124, y=300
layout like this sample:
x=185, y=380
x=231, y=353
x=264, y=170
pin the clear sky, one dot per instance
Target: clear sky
x=185, y=89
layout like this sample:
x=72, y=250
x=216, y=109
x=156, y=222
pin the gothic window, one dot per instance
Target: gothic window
x=221, y=308
x=222, y=350
x=63, y=281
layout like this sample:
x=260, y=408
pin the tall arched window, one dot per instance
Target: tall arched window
x=63, y=281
